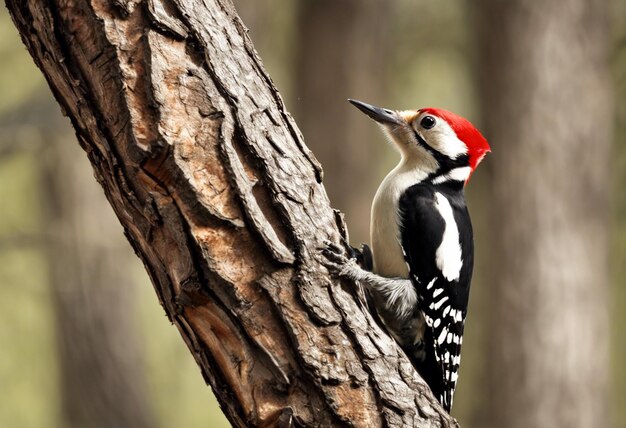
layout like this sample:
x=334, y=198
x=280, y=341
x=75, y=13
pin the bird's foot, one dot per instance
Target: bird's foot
x=363, y=257
x=339, y=265
x=334, y=258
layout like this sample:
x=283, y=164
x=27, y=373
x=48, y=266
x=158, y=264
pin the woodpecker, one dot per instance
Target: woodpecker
x=422, y=248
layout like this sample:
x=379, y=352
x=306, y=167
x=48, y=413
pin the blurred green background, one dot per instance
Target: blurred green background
x=83, y=341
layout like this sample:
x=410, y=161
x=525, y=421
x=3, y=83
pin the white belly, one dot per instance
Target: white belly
x=384, y=227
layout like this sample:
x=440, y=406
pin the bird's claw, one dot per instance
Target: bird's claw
x=333, y=257
x=362, y=256
x=339, y=265
x=365, y=258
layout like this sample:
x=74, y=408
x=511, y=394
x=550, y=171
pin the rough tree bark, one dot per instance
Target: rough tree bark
x=224, y=204
x=548, y=113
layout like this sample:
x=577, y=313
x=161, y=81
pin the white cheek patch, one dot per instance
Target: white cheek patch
x=448, y=256
x=457, y=174
x=443, y=139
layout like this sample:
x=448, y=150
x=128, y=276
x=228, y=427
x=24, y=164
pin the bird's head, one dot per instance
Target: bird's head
x=442, y=144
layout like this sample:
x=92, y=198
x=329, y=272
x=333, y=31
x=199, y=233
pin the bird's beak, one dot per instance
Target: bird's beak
x=380, y=115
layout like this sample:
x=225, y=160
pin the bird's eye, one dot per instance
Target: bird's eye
x=427, y=122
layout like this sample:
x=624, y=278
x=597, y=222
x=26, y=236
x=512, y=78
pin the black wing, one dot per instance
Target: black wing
x=426, y=212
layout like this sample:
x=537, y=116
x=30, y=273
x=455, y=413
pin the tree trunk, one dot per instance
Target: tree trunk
x=342, y=53
x=224, y=205
x=548, y=113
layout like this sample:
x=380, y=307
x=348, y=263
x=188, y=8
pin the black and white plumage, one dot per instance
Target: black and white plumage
x=422, y=242
x=437, y=238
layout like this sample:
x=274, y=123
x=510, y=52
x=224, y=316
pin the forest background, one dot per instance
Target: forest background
x=83, y=341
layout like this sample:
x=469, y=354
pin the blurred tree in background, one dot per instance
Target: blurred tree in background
x=99, y=354
x=56, y=314
x=547, y=103
x=617, y=232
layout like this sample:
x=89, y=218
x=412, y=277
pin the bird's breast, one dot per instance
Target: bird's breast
x=385, y=223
